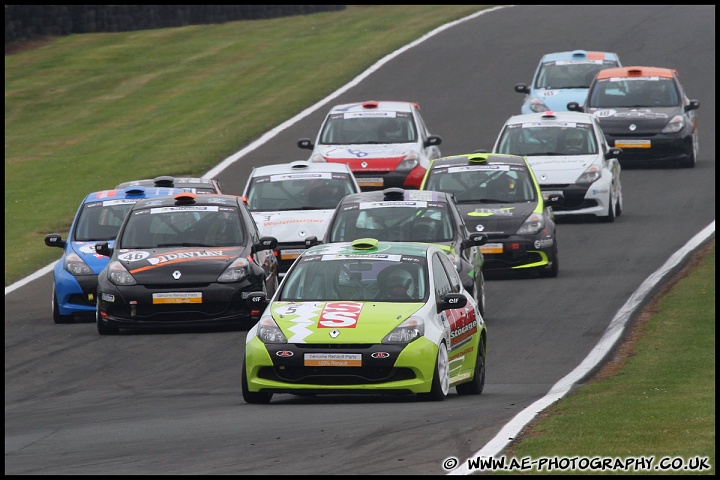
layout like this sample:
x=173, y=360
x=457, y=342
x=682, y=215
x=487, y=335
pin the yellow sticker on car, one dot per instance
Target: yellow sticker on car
x=632, y=143
x=177, y=297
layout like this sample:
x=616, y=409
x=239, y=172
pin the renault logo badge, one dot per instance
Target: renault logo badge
x=334, y=333
x=632, y=127
x=176, y=274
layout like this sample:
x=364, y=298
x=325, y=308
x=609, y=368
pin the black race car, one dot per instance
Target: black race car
x=645, y=112
x=400, y=215
x=186, y=260
x=499, y=196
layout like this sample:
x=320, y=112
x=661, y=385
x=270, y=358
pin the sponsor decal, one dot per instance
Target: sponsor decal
x=380, y=355
x=299, y=176
x=106, y=297
x=488, y=212
x=544, y=243
x=333, y=359
x=340, y=315
x=470, y=168
x=177, y=297
x=284, y=353
x=184, y=255
x=291, y=221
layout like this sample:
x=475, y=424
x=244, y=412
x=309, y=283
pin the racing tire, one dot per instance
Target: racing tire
x=262, y=398
x=691, y=160
x=477, y=384
x=480, y=298
x=555, y=269
x=102, y=327
x=441, y=377
x=610, y=217
x=57, y=317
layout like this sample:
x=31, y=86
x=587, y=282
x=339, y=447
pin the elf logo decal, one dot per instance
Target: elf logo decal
x=380, y=355
x=284, y=353
x=340, y=315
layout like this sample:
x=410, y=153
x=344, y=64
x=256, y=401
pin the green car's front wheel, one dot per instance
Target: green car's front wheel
x=441, y=377
x=253, y=397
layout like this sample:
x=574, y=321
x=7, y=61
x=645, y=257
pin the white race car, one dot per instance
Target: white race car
x=294, y=201
x=578, y=172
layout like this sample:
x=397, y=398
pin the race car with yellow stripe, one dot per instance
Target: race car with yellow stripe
x=498, y=195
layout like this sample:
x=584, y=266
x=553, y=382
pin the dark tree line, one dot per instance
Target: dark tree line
x=27, y=22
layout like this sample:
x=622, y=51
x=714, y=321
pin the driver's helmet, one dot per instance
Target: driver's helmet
x=398, y=282
x=574, y=140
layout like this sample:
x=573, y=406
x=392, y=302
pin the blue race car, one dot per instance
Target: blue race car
x=563, y=77
x=98, y=218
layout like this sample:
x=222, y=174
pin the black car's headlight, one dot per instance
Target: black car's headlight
x=269, y=332
x=674, y=125
x=536, y=105
x=532, y=225
x=76, y=266
x=589, y=176
x=409, y=162
x=119, y=275
x=236, y=271
x=408, y=331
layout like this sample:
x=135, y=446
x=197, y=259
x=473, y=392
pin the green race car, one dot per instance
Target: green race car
x=366, y=317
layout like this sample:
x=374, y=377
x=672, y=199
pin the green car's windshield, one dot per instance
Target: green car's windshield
x=333, y=277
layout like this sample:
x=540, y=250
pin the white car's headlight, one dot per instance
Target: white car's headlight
x=409, y=330
x=589, y=176
x=533, y=224
x=236, y=271
x=674, y=125
x=536, y=105
x=119, y=275
x=76, y=266
x=410, y=161
x=269, y=332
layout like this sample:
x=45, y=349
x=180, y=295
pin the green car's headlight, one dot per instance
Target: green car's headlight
x=408, y=331
x=269, y=332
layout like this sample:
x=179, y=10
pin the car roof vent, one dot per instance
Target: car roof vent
x=635, y=72
x=300, y=165
x=548, y=114
x=370, y=104
x=393, y=193
x=478, y=158
x=184, y=198
x=134, y=191
x=365, y=244
x=164, y=181
x=579, y=53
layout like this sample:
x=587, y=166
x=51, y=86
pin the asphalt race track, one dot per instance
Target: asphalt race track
x=77, y=403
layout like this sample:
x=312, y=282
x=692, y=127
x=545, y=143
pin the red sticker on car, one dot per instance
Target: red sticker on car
x=340, y=315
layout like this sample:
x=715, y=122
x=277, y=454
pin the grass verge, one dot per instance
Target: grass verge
x=654, y=398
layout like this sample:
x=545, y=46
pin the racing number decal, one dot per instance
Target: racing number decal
x=340, y=315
